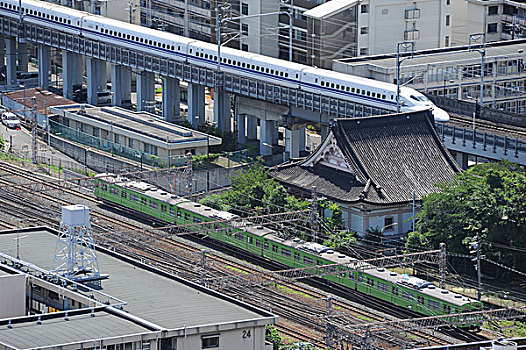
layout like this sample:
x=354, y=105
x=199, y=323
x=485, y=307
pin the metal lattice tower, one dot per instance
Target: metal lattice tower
x=75, y=256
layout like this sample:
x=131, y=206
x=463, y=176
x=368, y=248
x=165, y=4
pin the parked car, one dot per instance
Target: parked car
x=10, y=120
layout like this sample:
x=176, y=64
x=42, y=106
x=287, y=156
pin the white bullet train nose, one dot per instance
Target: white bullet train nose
x=440, y=115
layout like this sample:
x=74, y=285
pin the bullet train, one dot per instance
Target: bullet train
x=263, y=68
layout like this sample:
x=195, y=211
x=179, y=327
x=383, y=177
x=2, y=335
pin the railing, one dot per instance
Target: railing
x=232, y=83
x=491, y=145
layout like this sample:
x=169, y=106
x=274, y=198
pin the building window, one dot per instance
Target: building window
x=244, y=8
x=412, y=14
x=493, y=10
x=446, y=40
x=117, y=138
x=447, y=20
x=388, y=224
x=492, y=28
x=364, y=9
x=244, y=28
x=209, y=342
x=364, y=51
x=412, y=34
x=448, y=2
x=244, y=47
x=131, y=143
x=364, y=30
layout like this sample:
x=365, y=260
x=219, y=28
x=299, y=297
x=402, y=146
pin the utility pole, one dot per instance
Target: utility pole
x=330, y=328
x=203, y=268
x=476, y=246
x=442, y=265
x=34, y=129
x=188, y=172
x=314, y=214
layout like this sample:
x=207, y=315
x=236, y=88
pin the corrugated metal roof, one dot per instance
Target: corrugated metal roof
x=168, y=302
x=330, y=8
x=452, y=57
x=59, y=331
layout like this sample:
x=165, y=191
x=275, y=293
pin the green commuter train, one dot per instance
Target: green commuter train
x=402, y=290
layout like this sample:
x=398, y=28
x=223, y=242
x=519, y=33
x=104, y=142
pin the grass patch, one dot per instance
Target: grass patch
x=509, y=329
x=236, y=270
x=292, y=291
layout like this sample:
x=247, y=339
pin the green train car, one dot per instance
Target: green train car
x=401, y=290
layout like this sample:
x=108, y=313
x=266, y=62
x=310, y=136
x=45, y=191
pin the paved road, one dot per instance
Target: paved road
x=20, y=141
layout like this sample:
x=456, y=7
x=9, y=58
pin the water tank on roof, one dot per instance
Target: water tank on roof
x=73, y=215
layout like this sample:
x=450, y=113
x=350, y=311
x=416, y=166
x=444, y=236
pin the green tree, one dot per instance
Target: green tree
x=272, y=336
x=487, y=200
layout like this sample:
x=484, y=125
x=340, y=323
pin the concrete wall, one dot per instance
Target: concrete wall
x=467, y=108
x=12, y=296
x=251, y=338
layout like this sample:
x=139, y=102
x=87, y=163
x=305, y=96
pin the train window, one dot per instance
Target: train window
x=134, y=197
x=114, y=191
x=163, y=207
x=394, y=290
x=187, y=216
x=197, y=220
x=239, y=236
x=143, y=201
x=178, y=47
x=433, y=304
x=332, y=85
x=274, y=248
x=69, y=21
x=383, y=287
x=297, y=76
x=178, y=213
x=124, y=195
x=266, y=245
x=190, y=50
x=420, y=299
x=266, y=70
x=407, y=295
x=319, y=262
x=308, y=260
x=171, y=209
x=250, y=240
x=258, y=243
x=297, y=256
x=154, y=204
x=368, y=93
x=338, y=86
x=322, y=83
x=383, y=97
x=173, y=48
x=285, y=252
x=215, y=58
x=316, y=80
x=286, y=75
x=229, y=61
x=363, y=92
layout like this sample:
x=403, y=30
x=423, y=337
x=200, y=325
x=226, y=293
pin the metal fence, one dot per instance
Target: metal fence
x=226, y=159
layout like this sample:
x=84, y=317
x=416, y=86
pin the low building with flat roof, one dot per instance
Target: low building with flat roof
x=127, y=133
x=137, y=307
x=454, y=73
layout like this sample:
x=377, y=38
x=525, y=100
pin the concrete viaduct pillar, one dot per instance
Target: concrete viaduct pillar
x=146, y=91
x=252, y=127
x=22, y=57
x=43, y=66
x=196, y=104
x=120, y=85
x=462, y=160
x=2, y=52
x=268, y=114
x=11, y=62
x=294, y=142
x=222, y=114
x=96, y=76
x=171, y=99
x=241, y=127
x=71, y=72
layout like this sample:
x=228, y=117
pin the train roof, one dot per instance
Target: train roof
x=142, y=187
x=208, y=212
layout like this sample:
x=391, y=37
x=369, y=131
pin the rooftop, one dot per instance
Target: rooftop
x=142, y=123
x=155, y=300
x=445, y=56
x=42, y=98
x=330, y=8
x=378, y=160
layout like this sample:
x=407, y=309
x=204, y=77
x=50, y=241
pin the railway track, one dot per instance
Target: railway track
x=300, y=306
x=499, y=129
